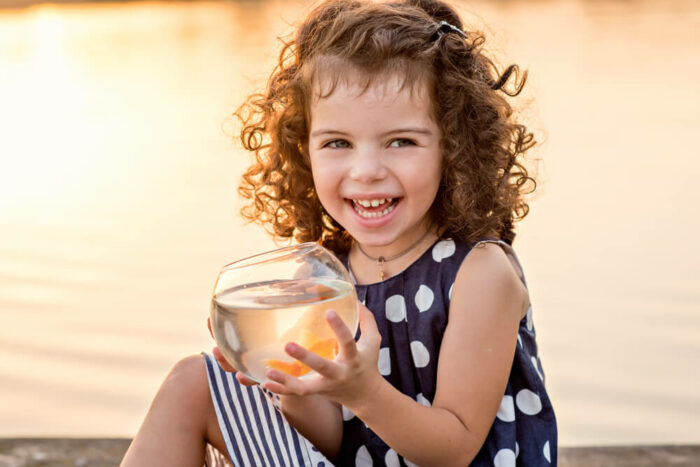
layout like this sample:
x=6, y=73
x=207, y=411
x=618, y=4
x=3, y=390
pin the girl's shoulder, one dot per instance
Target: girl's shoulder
x=492, y=269
x=450, y=254
x=490, y=262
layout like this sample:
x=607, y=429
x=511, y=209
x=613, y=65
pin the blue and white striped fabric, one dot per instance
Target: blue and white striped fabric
x=255, y=432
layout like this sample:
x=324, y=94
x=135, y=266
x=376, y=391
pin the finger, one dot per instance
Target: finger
x=282, y=383
x=277, y=388
x=321, y=365
x=223, y=363
x=245, y=380
x=346, y=341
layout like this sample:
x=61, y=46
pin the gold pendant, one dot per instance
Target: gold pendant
x=380, y=263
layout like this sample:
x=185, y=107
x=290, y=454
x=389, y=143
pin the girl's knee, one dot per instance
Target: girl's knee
x=189, y=374
x=186, y=384
x=192, y=366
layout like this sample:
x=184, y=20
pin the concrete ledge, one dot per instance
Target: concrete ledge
x=630, y=456
x=73, y=452
x=106, y=452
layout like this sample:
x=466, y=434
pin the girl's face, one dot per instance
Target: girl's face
x=376, y=161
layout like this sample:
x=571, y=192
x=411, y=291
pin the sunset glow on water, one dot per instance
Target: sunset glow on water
x=118, y=203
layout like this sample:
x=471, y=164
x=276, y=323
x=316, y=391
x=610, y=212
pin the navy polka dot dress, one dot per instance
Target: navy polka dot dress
x=411, y=310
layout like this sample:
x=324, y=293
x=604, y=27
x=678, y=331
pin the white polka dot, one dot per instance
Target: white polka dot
x=547, y=454
x=529, y=318
x=443, y=249
x=409, y=463
x=395, y=308
x=363, y=459
x=504, y=458
x=347, y=414
x=449, y=294
x=231, y=336
x=424, y=298
x=391, y=459
x=537, y=367
x=384, y=362
x=506, y=412
x=520, y=341
x=421, y=356
x=517, y=449
x=422, y=400
x=528, y=402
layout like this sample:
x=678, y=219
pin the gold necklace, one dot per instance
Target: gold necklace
x=381, y=260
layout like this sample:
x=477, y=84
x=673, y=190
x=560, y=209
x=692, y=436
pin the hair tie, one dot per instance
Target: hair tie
x=444, y=28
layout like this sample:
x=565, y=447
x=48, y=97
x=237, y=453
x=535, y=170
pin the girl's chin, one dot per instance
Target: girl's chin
x=374, y=241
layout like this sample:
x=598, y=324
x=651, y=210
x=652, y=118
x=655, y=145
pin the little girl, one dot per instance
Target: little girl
x=385, y=134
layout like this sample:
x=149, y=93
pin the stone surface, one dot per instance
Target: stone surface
x=101, y=452
x=78, y=452
x=630, y=456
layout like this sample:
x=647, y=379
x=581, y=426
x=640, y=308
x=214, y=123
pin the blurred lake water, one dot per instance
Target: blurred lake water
x=118, y=203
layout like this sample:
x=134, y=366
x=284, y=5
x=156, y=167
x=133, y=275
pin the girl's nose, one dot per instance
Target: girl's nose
x=368, y=166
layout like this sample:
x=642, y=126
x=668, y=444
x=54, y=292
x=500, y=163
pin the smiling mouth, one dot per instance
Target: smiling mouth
x=372, y=208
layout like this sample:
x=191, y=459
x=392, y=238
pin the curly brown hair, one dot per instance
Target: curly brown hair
x=484, y=179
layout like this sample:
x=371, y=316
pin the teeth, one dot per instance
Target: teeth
x=371, y=215
x=371, y=202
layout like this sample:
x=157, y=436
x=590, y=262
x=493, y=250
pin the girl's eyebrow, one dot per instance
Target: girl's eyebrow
x=419, y=130
x=324, y=131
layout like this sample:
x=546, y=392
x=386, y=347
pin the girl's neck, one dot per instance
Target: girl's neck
x=374, y=264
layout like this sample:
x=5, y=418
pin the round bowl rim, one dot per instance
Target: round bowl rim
x=271, y=255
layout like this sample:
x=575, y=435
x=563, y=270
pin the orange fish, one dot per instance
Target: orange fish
x=326, y=348
x=294, y=368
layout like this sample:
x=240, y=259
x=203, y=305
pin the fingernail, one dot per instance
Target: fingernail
x=331, y=314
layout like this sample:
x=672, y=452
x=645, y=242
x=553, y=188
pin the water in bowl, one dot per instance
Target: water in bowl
x=253, y=322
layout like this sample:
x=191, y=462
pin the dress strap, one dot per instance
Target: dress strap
x=510, y=253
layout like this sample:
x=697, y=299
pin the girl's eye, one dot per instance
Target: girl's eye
x=401, y=142
x=337, y=144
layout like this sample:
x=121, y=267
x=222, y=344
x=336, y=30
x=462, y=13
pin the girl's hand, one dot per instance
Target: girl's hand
x=243, y=379
x=351, y=377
